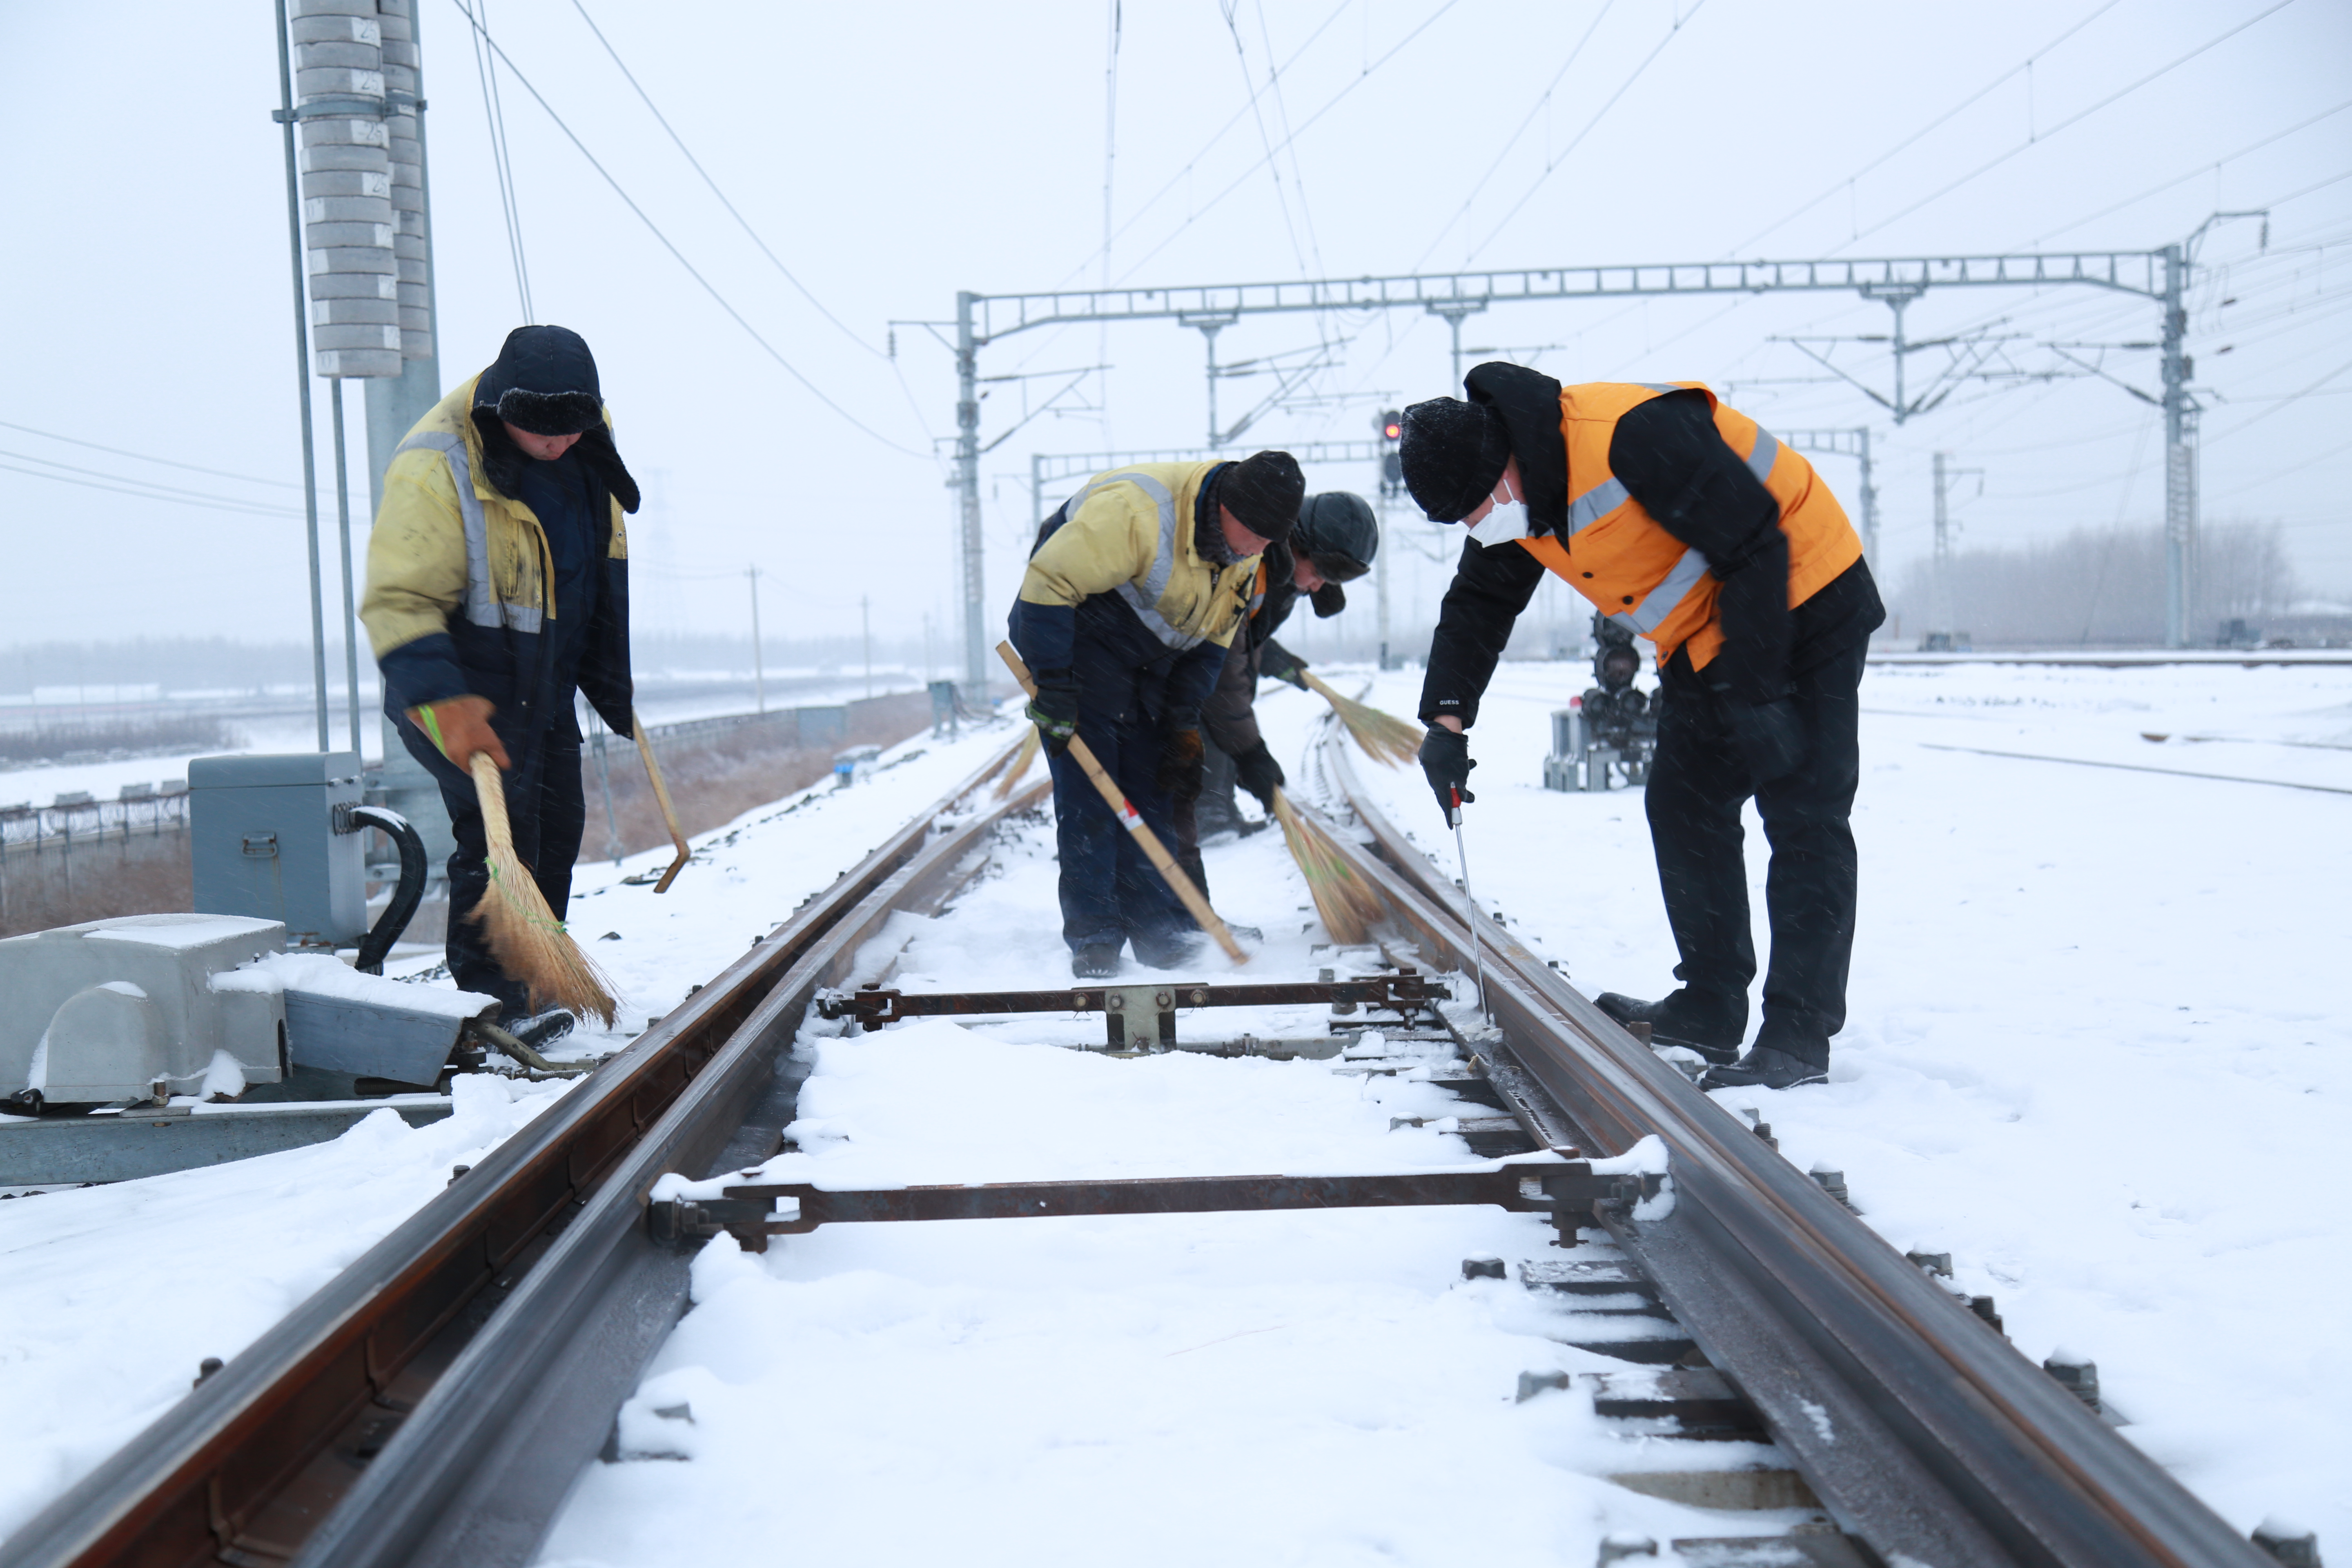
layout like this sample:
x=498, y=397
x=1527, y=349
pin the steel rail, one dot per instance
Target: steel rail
x=246, y=1468
x=1918, y=1425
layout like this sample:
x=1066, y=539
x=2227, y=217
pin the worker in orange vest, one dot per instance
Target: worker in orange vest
x=1685, y=522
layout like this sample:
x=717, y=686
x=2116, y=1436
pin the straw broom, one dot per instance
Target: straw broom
x=1384, y=737
x=1346, y=903
x=526, y=938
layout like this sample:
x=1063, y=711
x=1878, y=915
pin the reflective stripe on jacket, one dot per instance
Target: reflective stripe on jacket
x=1128, y=532
x=461, y=587
x=1642, y=577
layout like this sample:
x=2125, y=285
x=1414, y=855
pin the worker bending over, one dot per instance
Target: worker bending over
x=498, y=586
x=1688, y=524
x=1335, y=541
x=1137, y=585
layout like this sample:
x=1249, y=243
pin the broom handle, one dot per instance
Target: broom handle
x=669, y=812
x=1153, y=850
x=1019, y=764
x=1315, y=684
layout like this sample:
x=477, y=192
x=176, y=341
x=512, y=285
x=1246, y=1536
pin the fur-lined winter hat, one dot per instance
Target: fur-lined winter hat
x=544, y=380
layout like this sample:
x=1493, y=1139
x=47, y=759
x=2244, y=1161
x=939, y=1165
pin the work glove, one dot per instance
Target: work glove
x=1259, y=773
x=459, y=727
x=1181, y=759
x=1446, y=763
x=1770, y=735
x=1055, y=710
x=1277, y=662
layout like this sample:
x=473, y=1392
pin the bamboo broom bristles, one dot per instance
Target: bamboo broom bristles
x=1349, y=905
x=1384, y=737
x=526, y=938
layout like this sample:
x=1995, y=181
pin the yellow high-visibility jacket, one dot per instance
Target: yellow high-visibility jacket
x=1129, y=534
x=460, y=587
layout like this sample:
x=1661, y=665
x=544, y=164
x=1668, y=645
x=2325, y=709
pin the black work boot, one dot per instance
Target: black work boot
x=1685, y=1018
x=1096, y=961
x=1766, y=1067
x=540, y=1030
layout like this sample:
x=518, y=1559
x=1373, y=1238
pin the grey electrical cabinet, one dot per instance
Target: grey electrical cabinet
x=271, y=838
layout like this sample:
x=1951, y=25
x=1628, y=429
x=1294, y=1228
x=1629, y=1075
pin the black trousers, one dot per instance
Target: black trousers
x=547, y=809
x=1697, y=785
x=1110, y=890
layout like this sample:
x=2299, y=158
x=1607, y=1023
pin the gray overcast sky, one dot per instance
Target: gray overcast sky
x=893, y=153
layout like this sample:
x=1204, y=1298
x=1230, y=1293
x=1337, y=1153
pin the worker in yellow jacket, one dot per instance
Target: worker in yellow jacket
x=1133, y=594
x=1685, y=522
x=498, y=586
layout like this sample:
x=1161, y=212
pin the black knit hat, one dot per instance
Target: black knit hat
x=1453, y=454
x=1263, y=492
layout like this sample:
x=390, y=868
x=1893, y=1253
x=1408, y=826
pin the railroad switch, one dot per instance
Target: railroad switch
x=1409, y=994
x=1567, y=1190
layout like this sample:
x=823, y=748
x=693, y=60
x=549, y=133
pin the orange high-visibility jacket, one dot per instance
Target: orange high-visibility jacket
x=1642, y=577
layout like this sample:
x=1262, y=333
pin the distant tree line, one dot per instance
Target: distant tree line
x=2096, y=586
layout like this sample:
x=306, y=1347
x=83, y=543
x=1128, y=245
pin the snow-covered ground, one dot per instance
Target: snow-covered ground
x=2099, y=1045
x=111, y=1296
x=2096, y=1047
x=1318, y=1387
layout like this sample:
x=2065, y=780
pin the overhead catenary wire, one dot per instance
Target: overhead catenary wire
x=1673, y=32
x=183, y=498
x=1978, y=96
x=1328, y=104
x=2039, y=137
x=144, y=458
x=1205, y=149
x=1913, y=139
x=687, y=153
x=1272, y=164
x=1282, y=112
x=493, y=112
x=2203, y=169
x=1512, y=141
x=655, y=229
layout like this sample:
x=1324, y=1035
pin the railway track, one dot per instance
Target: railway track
x=436, y=1401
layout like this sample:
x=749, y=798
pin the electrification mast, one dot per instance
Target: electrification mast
x=2159, y=276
